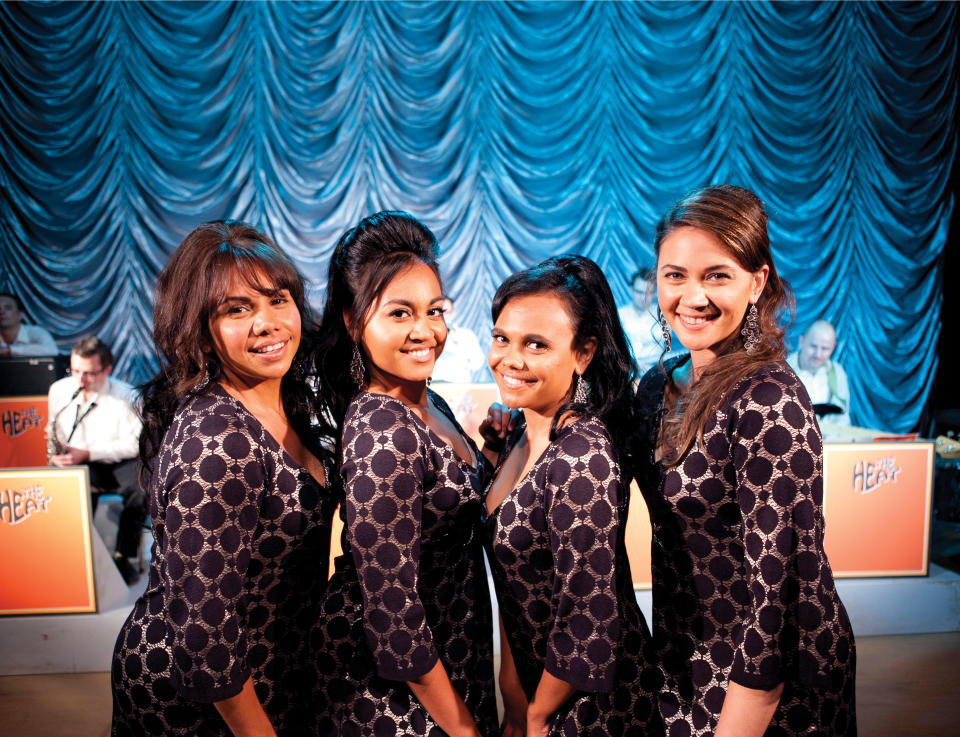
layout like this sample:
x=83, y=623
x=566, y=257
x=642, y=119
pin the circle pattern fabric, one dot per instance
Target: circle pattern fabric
x=742, y=589
x=239, y=562
x=410, y=587
x=560, y=567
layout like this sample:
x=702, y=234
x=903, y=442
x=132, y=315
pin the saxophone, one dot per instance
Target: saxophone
x=54, y=446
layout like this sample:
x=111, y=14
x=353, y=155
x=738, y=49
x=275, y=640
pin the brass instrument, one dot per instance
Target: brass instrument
x=54, y=446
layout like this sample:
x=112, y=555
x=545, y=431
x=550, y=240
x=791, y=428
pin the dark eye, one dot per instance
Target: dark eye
x=536, y=345
x=398, y=313
x=500, y=339
x=436, y=312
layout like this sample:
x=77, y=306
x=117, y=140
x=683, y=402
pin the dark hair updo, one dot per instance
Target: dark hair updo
x=366, y=258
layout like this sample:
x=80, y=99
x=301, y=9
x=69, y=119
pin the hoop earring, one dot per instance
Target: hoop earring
x=580, y=393
x=751, y=330
x=665, y=329
x=357, y=373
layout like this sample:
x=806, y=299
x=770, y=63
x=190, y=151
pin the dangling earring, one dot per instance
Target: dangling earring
x=665, y=328
x=751, y=330
x=580, y=393
x=356, y=367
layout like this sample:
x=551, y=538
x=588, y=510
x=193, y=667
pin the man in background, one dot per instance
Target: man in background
x=93, y=422
x=639, y=323
x=824, y=379
x=17, y=339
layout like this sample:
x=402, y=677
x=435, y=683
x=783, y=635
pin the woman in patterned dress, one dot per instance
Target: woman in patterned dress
x=404, y=639
x=575, y=654
x=750, y=631
x=218, y=642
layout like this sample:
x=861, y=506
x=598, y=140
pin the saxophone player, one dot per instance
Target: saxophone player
x=94, y=422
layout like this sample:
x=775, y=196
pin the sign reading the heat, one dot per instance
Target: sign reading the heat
x=23, y=421
x=876, y=502
x=45, y=529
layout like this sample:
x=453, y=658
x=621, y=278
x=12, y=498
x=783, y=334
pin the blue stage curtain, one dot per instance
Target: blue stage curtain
x=516, y=131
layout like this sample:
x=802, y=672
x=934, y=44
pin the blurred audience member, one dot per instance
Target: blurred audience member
x=640, y=324
x=824, y=379
x=462, y=354
x=17, y=339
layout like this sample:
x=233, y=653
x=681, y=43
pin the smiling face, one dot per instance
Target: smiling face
x=404, y=330
x=532, y=355
x=254, y=335
x=703, y=292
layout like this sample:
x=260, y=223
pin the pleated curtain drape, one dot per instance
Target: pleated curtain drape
x=515, y=131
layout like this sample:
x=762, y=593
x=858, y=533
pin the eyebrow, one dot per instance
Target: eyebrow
x=526, y=338
x=408, y=303
x=674, y=267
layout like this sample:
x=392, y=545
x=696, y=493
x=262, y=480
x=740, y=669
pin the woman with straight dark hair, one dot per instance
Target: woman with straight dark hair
x=574, y=644
x=751, y=634
x=404, y=639
x=240, y=500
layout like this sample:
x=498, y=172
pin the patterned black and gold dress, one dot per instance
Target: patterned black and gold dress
x=742, y=590
x=241, y=543
x=560, y=567
x=411, y=585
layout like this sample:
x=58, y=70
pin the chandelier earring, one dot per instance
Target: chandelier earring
x=580, y=392
x=751, y=330
x=357, y=372
x=665, y=329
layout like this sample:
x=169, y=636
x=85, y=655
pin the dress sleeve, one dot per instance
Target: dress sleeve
x=582, y=488
x=777, y=458
x=214, y=482
x=384, y=470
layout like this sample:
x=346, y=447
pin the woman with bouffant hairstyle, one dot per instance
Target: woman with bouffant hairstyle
x=239, y=498
x=404, y=642
x=751, y=635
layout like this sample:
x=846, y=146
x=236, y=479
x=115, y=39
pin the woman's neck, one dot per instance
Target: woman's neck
x=262, y=398
x=411, y=393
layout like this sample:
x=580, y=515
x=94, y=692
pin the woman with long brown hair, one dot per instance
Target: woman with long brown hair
x=751, y=635
x=240, y=501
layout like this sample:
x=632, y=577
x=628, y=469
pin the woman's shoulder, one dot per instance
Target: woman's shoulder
x=770, y=387
x=764, y=382
x=380, y=413
x=582, y=437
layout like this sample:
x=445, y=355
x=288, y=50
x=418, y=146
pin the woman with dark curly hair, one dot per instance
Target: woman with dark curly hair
x=404, y=639
x=575, y=654
x=749, y=629
x=240, y=500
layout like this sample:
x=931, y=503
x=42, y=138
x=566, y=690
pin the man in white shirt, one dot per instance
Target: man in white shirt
x=17, y=339
x=462, y=354
x=640, y=324
x=94, y=422
x=824, y=379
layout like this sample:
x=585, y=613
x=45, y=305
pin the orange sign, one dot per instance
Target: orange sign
x=876, y=502
x=23, y=423
x=46, y=560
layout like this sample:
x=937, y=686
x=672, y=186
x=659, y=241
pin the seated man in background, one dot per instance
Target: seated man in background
x=824, y=379
x=462, y=354
x=17, y=339
x=640, y=324
x=93, y=422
